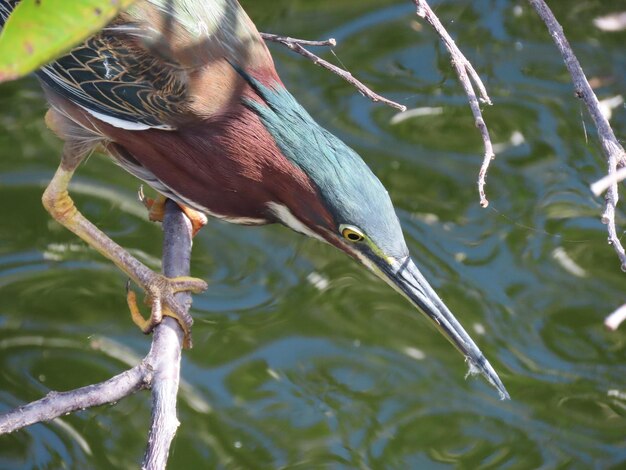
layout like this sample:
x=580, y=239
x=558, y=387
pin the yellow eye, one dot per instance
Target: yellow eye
x=351, y=234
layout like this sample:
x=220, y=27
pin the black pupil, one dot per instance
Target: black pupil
x=353, y=236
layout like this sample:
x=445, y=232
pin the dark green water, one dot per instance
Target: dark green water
x=285, y=374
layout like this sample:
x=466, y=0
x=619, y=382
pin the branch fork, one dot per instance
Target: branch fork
x=159, y=371
x=468, y=78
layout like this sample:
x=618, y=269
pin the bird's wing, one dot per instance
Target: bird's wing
x=119, y=84
x=161, y=63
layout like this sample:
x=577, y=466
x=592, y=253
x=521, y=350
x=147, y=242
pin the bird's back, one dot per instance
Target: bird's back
x=160, y=63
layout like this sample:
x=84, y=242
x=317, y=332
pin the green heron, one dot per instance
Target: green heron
x=183, y=94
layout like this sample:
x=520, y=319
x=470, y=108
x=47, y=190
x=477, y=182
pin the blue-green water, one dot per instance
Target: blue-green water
x=301, y=358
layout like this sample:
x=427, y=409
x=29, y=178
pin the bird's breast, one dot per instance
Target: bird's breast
x=227, y=167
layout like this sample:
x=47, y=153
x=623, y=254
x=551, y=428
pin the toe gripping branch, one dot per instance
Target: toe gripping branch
x=160, y=296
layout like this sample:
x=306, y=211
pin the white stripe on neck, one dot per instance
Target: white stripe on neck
x=283, y=214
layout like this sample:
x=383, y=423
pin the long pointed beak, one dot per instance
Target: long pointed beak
x=404, y=276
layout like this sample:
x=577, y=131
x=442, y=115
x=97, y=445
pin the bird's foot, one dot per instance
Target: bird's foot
x=160, y=292
x=156, y=211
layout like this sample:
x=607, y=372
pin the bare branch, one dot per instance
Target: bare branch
x=331, y=42
x=613, y=151
x=159, y=370
x=296, y=45
x=169, y=336
x=467, y=75
x=56, y=404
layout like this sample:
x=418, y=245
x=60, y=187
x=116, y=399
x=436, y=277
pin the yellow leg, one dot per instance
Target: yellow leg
x=160, y=290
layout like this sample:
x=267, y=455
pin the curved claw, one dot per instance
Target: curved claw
x=160, y=295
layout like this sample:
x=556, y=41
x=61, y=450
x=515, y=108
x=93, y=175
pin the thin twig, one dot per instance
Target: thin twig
x=56, y=404
x=331, y=42
x=467, y=75
x=159, y=370
x=296, y=45
x=613, y=151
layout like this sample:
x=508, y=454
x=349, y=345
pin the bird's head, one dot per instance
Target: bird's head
x=362, y=222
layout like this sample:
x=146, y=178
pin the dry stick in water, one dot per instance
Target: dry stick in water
x=296, y=45
x=158, y=371
x=613, y=151
x=467, y=75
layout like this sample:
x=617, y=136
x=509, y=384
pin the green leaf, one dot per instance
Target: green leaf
x=38, y=31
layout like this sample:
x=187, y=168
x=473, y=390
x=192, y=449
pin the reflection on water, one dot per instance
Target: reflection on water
x=301, y=359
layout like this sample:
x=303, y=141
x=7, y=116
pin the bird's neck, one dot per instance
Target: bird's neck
x=284, y=191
